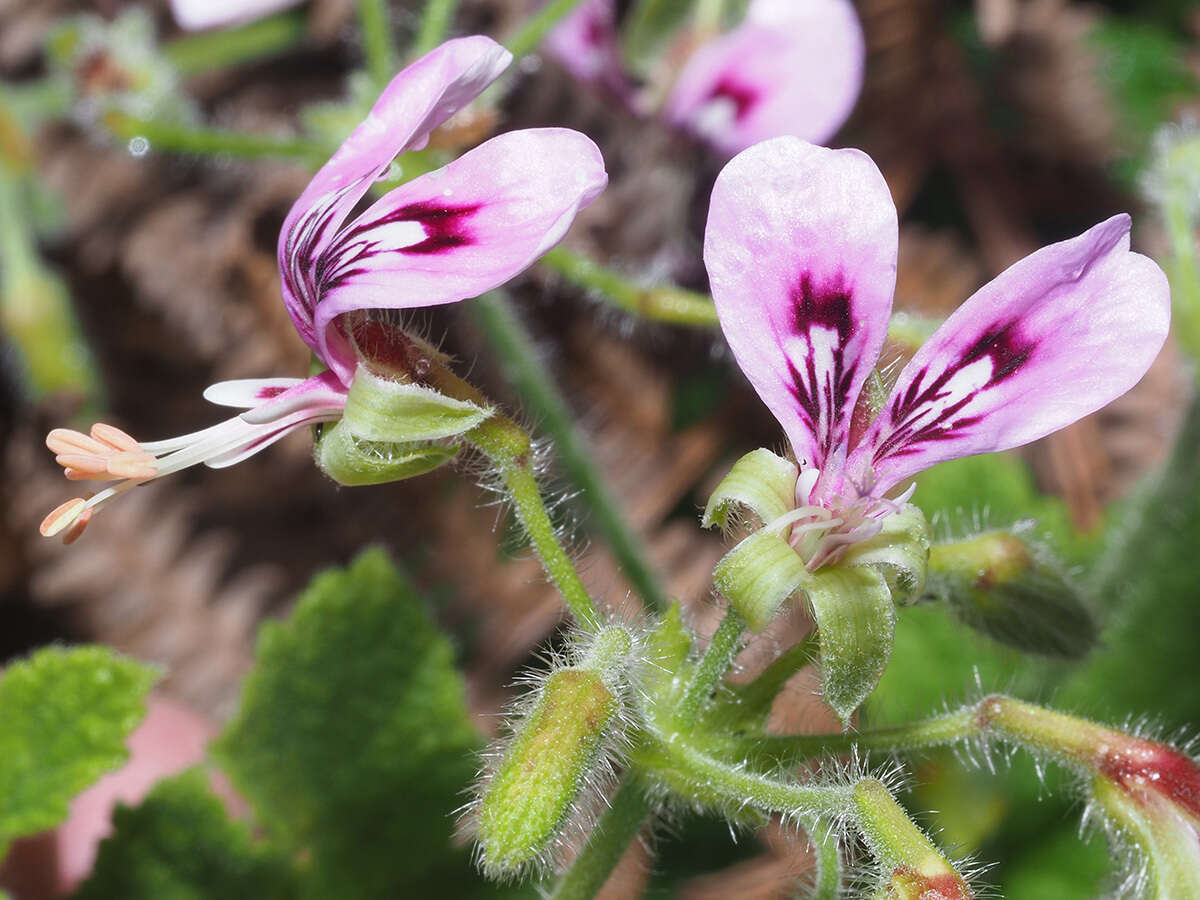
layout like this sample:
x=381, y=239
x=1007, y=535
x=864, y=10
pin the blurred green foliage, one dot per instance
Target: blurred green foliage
x=66, y=716
x=179, y=844
x=353, y=743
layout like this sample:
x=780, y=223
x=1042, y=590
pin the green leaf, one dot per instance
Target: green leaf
x=397, y=412
x=761, y=482
x=353, y=741
x=179, y=844
x=65, y=715
x=1145, y=70
x=650, y=24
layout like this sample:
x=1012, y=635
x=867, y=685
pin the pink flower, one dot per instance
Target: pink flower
x=447, y=236
x=801, y=254
x=194, y=15
x=793, y=67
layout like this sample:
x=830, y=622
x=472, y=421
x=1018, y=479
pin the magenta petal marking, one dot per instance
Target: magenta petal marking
x=1056, y=336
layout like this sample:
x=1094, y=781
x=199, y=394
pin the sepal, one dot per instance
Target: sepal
x=353, y=462
x=852, y=606
x=399, y=412
x=900, y=551
x=761, y=481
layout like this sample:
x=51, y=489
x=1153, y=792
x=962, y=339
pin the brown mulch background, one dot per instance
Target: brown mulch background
x=172, y=265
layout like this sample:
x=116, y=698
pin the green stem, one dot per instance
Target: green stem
x=712, y=668
x=788, y=750
x=209, y=141
x=828, y=883
x=693, y=774
x=435, y=23
x=508, y=337
x=615, y=831
x=510, y=450
x=753, y=701
x=233, y=46
x=663, y=304
x=1185, y=274
x=530, y=34
x=375, y=21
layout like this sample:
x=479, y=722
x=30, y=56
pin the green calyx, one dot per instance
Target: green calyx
x=392, y=430
x=853, y=600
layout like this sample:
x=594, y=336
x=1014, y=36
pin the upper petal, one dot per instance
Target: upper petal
x=421, y=97
x=801, y=255
x=460, y=231
x=793, y=67
x=1054, y=337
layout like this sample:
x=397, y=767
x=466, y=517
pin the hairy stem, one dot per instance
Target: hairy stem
x=227, y=47
x=663, y=304
x=535, y=385
x=213, y=142
x=690, y=772
x=435, y=23
x=787, y=750
x=615, y=831
x=374, y=20
x=530, y=34
x=510, y=450
x=754, y=699
x=713, y=666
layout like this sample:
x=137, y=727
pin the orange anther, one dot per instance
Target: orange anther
x=72, y=534
x=62, y=516
x=129, y=465
x=114, y=437
x=64, y=440
x=91, y=465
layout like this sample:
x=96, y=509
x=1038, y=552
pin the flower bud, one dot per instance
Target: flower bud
x=1147, y=792
x=1013, y=590
x=913, y=868
x=557, y=754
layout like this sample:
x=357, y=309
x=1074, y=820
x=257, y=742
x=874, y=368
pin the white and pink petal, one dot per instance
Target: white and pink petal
x=1053, y=338
x=421, y=97
x=460, y=231
x=801, y=255
x=793, y=67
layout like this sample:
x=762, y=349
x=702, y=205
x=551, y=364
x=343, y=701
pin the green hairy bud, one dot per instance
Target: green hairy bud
x=913, y=868
x=1013, y=590
x=542, y=793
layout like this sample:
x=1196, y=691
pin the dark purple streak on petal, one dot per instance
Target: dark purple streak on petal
x=824, y=389
x=446, y=227
x=742, y=97
x=1008, y=352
